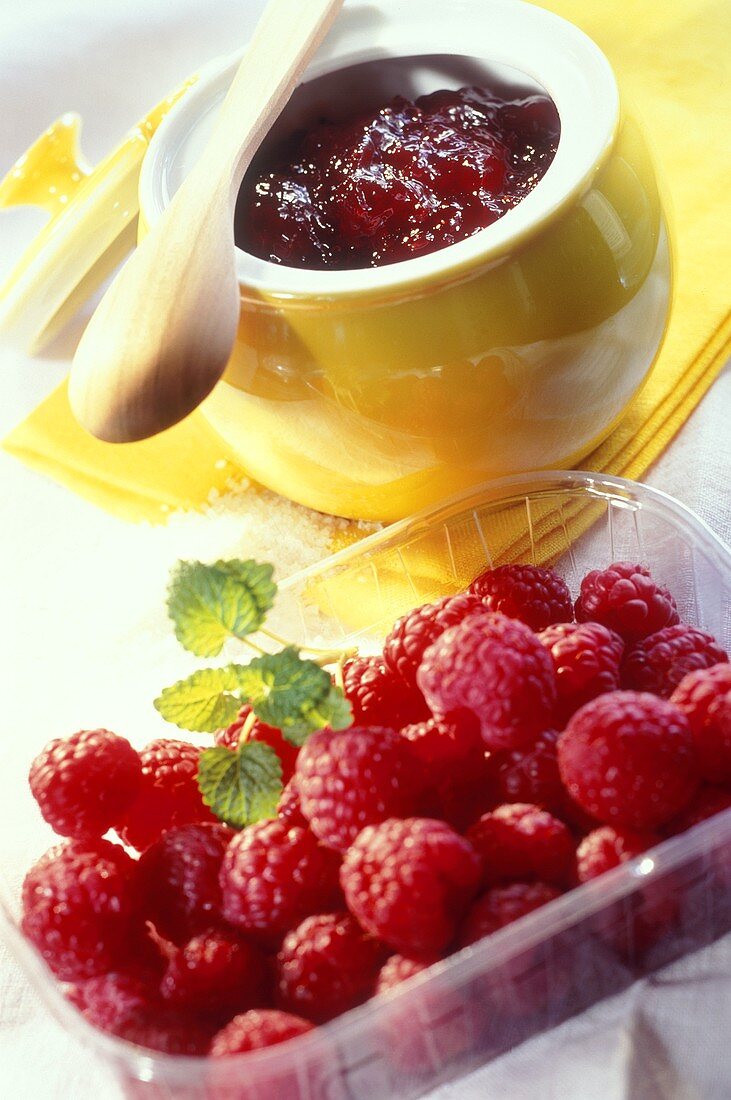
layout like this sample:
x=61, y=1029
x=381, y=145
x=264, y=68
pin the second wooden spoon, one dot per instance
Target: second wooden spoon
x=163, y=332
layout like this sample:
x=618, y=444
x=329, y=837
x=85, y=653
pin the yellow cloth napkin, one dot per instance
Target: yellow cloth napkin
x=671, y=58
x=136, y=481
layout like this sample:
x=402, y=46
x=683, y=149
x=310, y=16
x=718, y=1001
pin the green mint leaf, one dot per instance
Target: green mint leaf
x=295, y=695
x=334, y=711
x=241, y=787
x=204, y=701
x=207, y=603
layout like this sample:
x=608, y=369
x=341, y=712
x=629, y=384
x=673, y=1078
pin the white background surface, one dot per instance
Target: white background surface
x=76, y=591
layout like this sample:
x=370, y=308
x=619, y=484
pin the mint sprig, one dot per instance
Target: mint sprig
x=209, y=603
x=241, y=787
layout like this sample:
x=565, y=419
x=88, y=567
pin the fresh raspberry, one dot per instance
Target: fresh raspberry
x=179, y=880
x=625, y=598
x=628, y=759
x=524, y=843
x=607, y=847
x=327, y=965
x=256, y=1029
x=586, y=659
x=353, y=778
x=460, y=774
x=501, y=906
x=704, y=697
x=168, y=796
x=452, y=745
x=83, y=783
x=461, y=799
x=399, y=969
x=273, y=876
x=216, y=973
x=707, y=802
x=379, y=697
x=657, y=664
x=409, y=882
x=167, y=1031
x=111, y=1000
x=289, y=809
x=538, y=597
x=80, y=908
x=497, y=668
x=412, y=634
x=147, y=948
x=230, y=738
x=530, y=774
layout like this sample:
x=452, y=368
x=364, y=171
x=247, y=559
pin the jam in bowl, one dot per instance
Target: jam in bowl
x=398, y=182
x=391, y=356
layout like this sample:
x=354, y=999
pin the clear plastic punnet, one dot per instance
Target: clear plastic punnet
x=557, y=961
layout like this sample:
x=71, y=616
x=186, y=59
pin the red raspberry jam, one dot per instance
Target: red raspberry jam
x=403, y=181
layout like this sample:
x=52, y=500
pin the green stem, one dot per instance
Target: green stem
x=319, y=656
x=247, y=727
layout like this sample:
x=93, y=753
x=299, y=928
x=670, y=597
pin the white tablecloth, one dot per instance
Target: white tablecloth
x=64, y=636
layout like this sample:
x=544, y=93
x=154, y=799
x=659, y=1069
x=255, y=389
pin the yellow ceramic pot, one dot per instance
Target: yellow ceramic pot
x=376, y=392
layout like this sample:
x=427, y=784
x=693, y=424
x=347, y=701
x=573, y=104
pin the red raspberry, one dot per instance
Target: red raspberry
x=628, y=759
x=256, y=1029
x=625, y=598
x=179, y=880
x=230, y=738
x=399, y=969
x=412, y=634
x=501, y=906
x=216, y=973
x=169, y=1032
x=379, y=697
x=460, y=774
x=522, y=842
x=538, y=597
x=496, y=668
x=80, y=908
x=657, y=664
x=453, y=745
x=111, y=1000
x=273, y=876
x=83, y=783
x=289, y=809
x=530, y=774
x=353, y=778
x=707, y=802
x=607, y=847
x=586, y=659
x=327, y=965
x=461, y=799
x=169, y=794
x=704, y=697
x=408, y=882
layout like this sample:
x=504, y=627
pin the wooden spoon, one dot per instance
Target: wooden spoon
x=163, y=332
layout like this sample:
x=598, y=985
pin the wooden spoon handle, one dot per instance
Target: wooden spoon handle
x=287, y=35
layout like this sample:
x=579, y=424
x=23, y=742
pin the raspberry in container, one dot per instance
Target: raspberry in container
x=644, y=899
